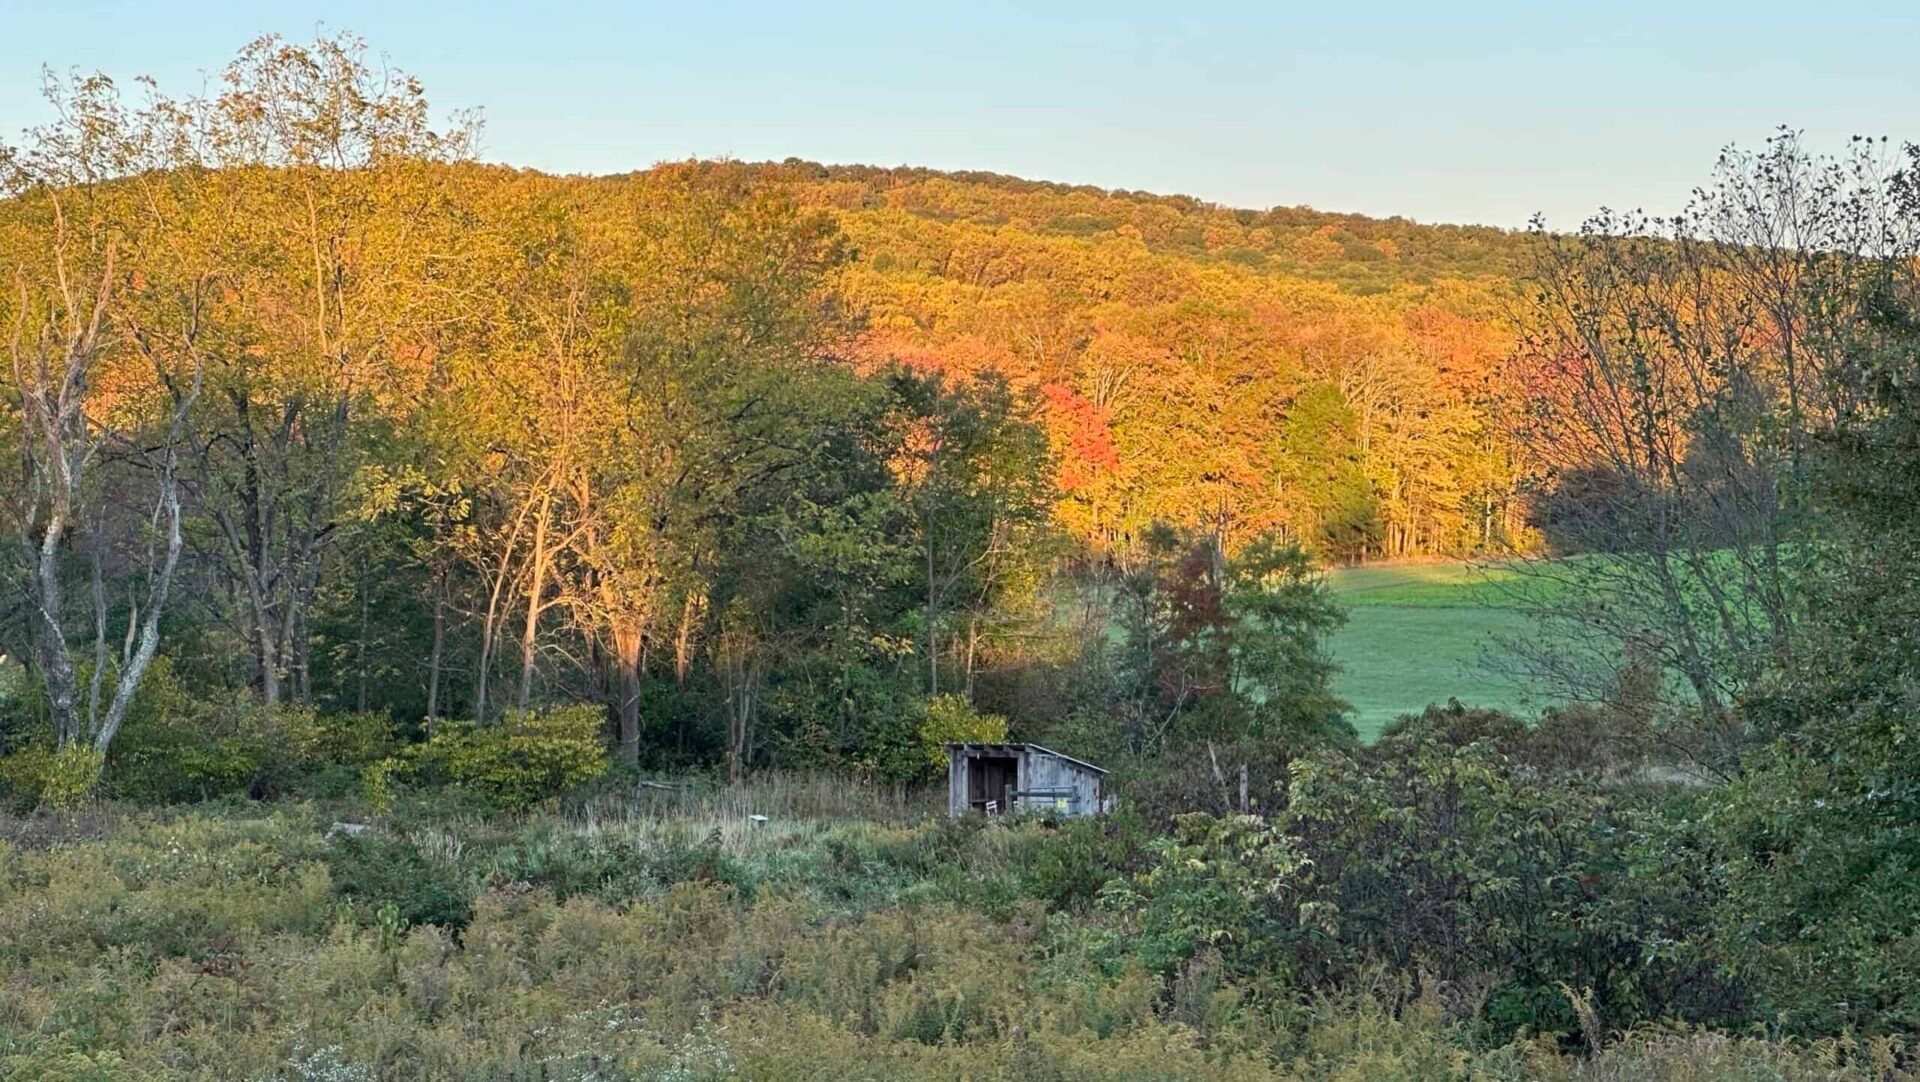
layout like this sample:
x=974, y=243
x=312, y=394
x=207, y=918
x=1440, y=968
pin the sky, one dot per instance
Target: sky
x=1442, y=112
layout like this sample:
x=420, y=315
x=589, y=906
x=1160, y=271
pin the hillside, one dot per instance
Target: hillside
x=1358, y=253
x=1330, y=376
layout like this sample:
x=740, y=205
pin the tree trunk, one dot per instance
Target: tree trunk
x=299, y=655
x=491, y=626
x=529, y=636
x=161, y=582
x=742, y=673
x=933, y=621
x=50, y=641
x=627, y=649
x=480, y=676
x=267, y=664
x=439, y=647
x=973, y=646
x=94, y=683
x=360, y=649
x=690, y=609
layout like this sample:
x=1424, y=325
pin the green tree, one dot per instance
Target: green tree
x=1320, y=453
x=1226, y=647
x=319, y=199
x=974, y=469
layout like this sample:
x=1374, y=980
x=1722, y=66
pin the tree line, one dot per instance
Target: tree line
x=308, y=405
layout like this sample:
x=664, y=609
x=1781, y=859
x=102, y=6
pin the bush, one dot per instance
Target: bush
x=1067, y=867
x=1448, y=858
x=529, y=757
x=38, y=775
x=1203, y=776
x=1433, y=856
x=353, y=740
x=905, y=745
x=1819, y=862
x=951, y=719
x=176, y=748
x=1225, y=885
x=23, y=774
x=374, y=872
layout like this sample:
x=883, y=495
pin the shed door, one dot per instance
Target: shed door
x=988, y=779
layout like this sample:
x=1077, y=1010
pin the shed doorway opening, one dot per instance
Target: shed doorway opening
x=989, y=779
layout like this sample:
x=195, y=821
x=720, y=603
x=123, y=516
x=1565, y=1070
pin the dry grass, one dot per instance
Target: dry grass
x=45, y=829
x=1652, y=1055
x=774, y=794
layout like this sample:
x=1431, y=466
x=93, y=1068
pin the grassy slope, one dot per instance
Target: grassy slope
x=1416, y=634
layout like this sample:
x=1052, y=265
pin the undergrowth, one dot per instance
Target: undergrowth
x=230, y=944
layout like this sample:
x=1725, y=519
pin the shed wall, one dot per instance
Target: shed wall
x=1044, y=771
x=1039, y=769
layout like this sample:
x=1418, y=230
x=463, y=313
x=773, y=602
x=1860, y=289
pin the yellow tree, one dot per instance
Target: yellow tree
x=728, y=316
x=104, y=366
x=333, y=225
x=523, y=420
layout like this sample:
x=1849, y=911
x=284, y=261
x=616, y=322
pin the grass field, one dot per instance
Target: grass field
x=1416, y=634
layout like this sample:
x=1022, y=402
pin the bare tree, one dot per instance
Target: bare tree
x=1674, y=374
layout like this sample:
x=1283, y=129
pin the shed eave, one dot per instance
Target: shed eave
x=998, y=748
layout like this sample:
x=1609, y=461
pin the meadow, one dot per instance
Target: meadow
x=610, y=943
x=1418, y=634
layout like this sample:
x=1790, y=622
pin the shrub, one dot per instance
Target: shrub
x=1067, y=867
x=71, y=777
x=63, y=780
x=952, y=719
x=526, y=758
x=374, y=872
x=175, y=747
x=1204, y=776
x=1451, y=859
x=1218, y=884
x=353, y=739
x=905, y=744
x=1817, y=862
x=23, y=774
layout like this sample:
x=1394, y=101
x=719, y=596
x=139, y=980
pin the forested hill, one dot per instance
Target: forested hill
x=1331, y=376
x=1356, y=252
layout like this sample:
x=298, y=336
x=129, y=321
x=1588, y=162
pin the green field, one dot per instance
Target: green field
x=1416, y=634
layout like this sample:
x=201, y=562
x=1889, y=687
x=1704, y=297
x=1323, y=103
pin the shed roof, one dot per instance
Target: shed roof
x=1014, y=749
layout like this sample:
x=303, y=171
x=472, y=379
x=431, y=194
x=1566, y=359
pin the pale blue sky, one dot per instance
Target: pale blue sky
x=1462, y=111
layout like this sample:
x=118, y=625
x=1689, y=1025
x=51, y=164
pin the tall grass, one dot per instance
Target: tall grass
x=773, y=794
x=201, y=947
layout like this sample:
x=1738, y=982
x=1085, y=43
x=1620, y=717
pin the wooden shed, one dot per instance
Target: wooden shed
x=996, y=779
